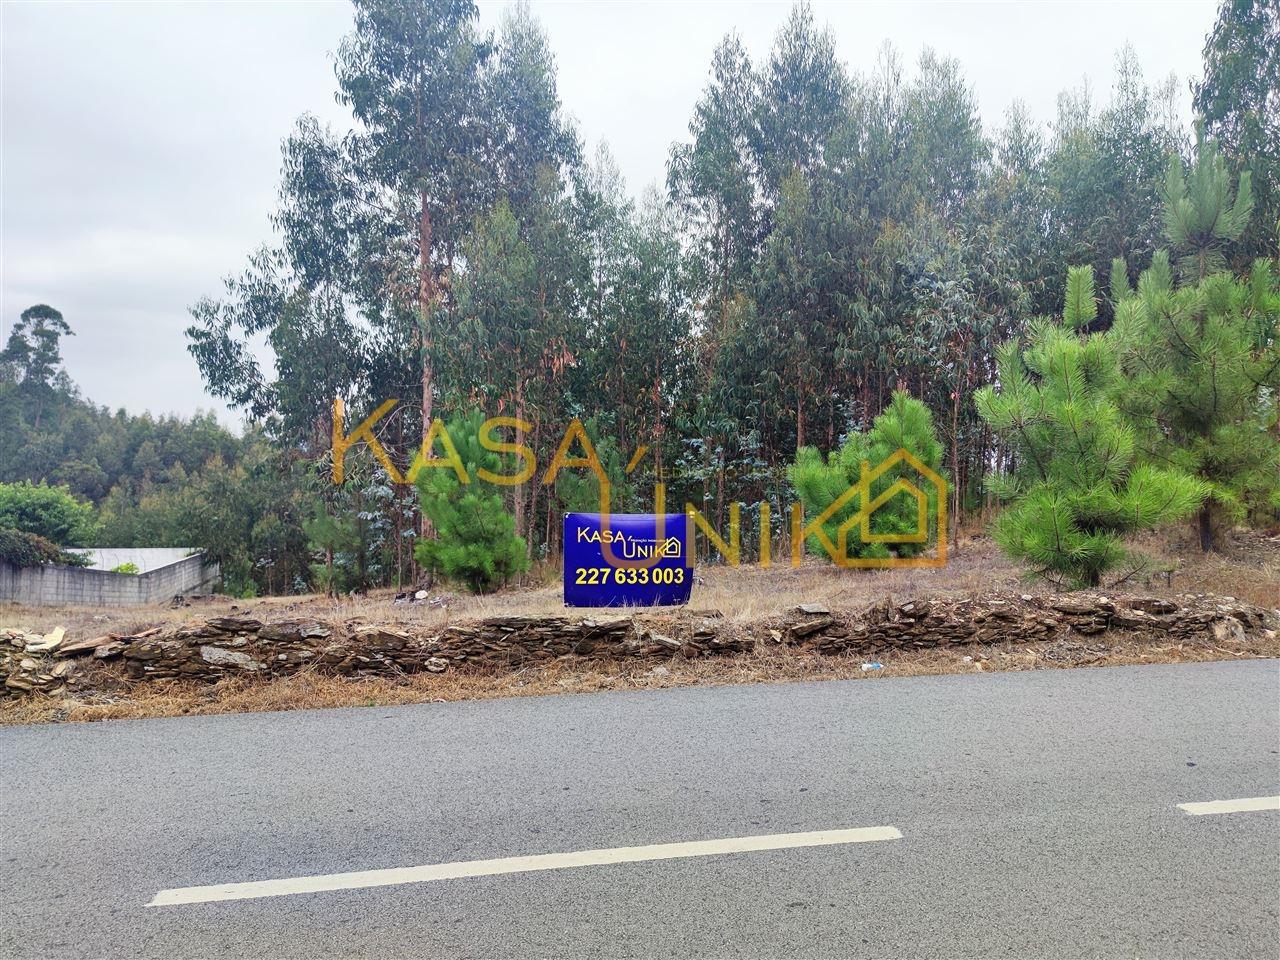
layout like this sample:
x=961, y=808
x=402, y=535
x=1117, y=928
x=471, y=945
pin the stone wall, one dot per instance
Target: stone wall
x=242, y=645
x=53, y=585
x=239, y=646
x=1021, y=619
x=231, y=645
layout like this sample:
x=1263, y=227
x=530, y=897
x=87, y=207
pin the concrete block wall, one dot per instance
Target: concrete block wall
x=77, y=586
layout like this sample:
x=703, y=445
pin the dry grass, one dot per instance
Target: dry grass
x=1248, y=568
x=1247, y=565
x=744, y=594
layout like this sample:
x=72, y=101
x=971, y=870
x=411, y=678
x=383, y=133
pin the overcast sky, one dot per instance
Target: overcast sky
x=140, y=142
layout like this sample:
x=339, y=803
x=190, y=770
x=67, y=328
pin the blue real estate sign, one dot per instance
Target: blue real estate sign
x=639, y=559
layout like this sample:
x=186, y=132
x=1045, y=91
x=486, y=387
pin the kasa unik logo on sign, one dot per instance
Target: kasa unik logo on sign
x=636, y=559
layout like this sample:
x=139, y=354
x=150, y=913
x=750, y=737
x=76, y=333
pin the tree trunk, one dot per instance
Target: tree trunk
x=551, y=504
x=362, y=564
x=397, y=492
x=426, y=305
x=518, y=499
x=720, y=491
x=1205, y=523
x=533, y=489
x=955, y=465
x=799, y=412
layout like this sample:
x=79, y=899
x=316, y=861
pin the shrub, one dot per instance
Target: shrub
x=1204, y=371
x=24, y=549
x=905, y=424
x=48, y=512
x=127, y=567
x=476, y=540
x=578, y=488
x=1076, y=489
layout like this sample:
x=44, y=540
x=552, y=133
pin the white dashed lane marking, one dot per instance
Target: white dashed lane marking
x=1245, y=805
x=488, y=868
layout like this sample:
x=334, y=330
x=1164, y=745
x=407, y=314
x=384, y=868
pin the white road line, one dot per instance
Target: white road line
x=1230, y=806
x=487, y=868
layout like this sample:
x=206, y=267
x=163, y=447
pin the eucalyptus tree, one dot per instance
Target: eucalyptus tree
x=365, y=222
x=950, y=149
x=1105, y=171
x=534, y=147
x=803, y=291
x=412, y=75
x=636, y=368
x=513, y=326
x=1136, y=141
x=910, y=161
x=358, y=300
x=962, y=297
x=317, y=349
x=498, y=331
x=714, y=183
x=803, y=99
x=1016, y=194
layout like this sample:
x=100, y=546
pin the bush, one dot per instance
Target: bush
x=476, y=540
x=22, y=549
x=906, y=424
x=1203, y=362
x=338, y=539
x=26, y=549
x=48, y=512
x=577, y=489
x=1075, y=490
x=128, y=567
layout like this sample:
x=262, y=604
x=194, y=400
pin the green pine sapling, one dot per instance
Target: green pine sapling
x=1075, y=490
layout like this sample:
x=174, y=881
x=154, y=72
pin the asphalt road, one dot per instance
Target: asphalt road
x=1038, y=817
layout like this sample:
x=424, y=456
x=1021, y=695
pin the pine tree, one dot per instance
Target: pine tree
x=477, y=542
x=1204, y=370
x=336, y=538
x=905, y=424
x=1076, y=488
x=1200, y=216
x=1239, y=99
x=1203, y=359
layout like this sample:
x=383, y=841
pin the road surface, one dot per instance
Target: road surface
x=1009, y=815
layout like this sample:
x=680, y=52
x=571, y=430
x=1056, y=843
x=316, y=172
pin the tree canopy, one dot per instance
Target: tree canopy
x=828, y=236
